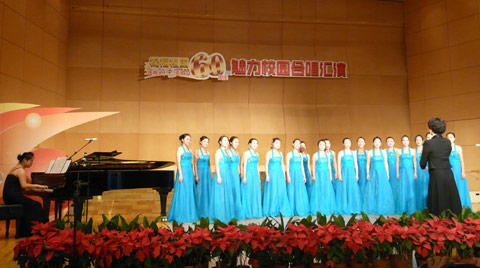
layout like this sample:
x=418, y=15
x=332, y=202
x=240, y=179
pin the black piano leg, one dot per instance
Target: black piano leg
x=77, y=210
x=86, y=212
x=163, y=204
x=58, y=209
x=46, y=205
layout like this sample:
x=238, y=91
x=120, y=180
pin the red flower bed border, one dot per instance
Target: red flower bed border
x=295, y=243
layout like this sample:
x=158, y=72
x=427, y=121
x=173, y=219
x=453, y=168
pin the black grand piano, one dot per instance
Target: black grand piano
x=101, y=171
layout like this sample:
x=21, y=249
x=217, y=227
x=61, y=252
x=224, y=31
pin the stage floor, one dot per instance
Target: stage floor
x=7, y=245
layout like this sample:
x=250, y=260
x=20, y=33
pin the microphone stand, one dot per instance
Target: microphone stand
x=76, y=152
x=76, y=203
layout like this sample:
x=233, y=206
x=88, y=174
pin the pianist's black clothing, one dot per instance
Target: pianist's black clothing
x=12, y=194
x=442, y=190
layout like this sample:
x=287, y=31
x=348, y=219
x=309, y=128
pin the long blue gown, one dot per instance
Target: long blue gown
x=234, y=164
x=308, y=176
x=204, y=182
x=296, y=189
x=222, y=206
x=251, y=191
x=392, y=171
x=322, y=196
x=184, y=204
x=406, y=184
x=332, y=163
x=378, y=193
x=421, y=184
x=362, y=171
x=462, y=184
x=348, y=198
x=275, y=198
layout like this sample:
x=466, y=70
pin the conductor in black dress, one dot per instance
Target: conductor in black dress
x=442, y=190
x=15, y=182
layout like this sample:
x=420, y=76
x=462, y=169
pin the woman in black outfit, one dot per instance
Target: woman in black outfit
x=442, y=190
x=12, y=194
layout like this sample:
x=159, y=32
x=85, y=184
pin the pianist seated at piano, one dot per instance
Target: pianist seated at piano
x=15, y=182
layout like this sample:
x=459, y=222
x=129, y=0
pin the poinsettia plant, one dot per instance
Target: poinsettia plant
x=295, y=243
x=401, y=239
x=462, y=236
x=440, y=236
x=198, y=250
x=260, y=243
x=419, y=239
x=37, y=250
x=359, y=242
x=227, y=244
x=434, y=237
x=176, y=246
x=336, y=251
x=382, y=236
x=117, y=248
x=50, y=246
x=471, y=239
x=322, y=239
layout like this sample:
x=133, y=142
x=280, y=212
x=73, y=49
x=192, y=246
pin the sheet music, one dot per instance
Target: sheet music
x=50, y=166
x=60, y=165
x=66, y=166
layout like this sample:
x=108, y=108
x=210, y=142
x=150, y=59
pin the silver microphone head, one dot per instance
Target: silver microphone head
x=84, y=159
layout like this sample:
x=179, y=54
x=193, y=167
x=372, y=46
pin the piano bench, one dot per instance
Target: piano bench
x=11, y=212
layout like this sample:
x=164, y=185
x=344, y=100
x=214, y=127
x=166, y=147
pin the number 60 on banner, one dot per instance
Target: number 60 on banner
x=203, y=66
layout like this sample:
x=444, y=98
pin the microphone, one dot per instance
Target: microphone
x=84, y=159
x=91, y=139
